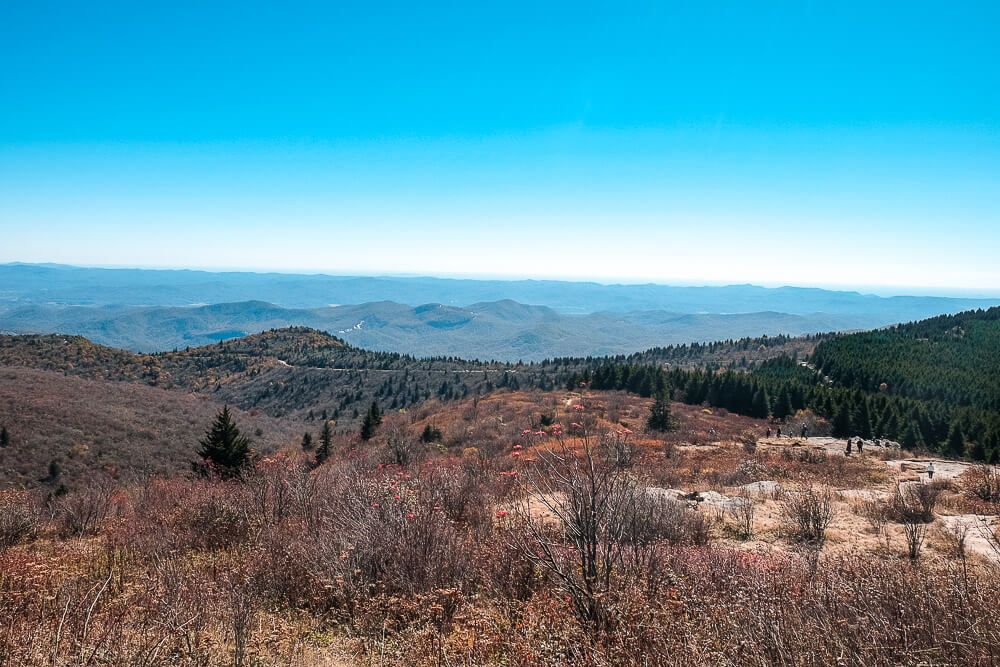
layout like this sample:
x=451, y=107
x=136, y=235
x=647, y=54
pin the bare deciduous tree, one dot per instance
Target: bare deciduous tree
x=810, y=514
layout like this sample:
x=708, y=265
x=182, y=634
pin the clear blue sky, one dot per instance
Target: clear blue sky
x=851, y=143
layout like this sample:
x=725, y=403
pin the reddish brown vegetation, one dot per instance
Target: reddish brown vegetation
x=491, y=547
x=118, y=428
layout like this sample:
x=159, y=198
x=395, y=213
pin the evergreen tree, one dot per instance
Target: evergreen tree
x=325, y=443
x=783, y=405
x=55, y=470
x=430, y=434
x=977, y=452
x=842, y=421
x=888, y=425
x=224, y=446
x=910, y=437
x=861, y=421
x=4, y=438
x=955, y=444
x=307, y=442
x=660, y=418
x=759, y=406
x=371, y=422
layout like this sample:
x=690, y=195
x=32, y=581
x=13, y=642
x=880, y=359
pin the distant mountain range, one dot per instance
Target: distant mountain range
x=151, y=310
x=502, y=330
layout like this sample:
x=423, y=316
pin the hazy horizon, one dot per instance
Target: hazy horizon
x=877, y=290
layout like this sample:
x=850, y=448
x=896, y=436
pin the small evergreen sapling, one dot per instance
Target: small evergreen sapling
x=223, y=446
x=660, y=418
x=325, y=443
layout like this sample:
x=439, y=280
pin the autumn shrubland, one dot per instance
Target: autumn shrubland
x=540, y=528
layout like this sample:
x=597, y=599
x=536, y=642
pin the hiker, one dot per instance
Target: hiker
x=861, y=446
x=849, y=445
x=779, y=432
x=768, y=432
x=805, y=431
x=930, y=470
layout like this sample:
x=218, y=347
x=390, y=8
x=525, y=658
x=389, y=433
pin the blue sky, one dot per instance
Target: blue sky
x=778, y=143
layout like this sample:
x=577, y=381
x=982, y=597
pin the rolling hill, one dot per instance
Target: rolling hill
x=504, y=330
x=122, y=428
x=91, y=405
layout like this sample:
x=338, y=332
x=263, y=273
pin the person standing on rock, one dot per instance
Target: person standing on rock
x=805, y=431
x=930, y=470
x=847, y=452
x=861, y=446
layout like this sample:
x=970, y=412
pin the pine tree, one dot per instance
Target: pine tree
x=371, y=422
x=325, y=443
x=955, y=444
x=760, y=405
x=307, y=442
x=4, y=438
x=783, y=405
x=224, y=446
x=861, y=422
x=910, y=437
x=842, y=421
x=660, y=418
x=430, y=434
x=977, y=452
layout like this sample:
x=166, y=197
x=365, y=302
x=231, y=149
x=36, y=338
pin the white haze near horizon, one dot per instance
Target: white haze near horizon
x=877, y=290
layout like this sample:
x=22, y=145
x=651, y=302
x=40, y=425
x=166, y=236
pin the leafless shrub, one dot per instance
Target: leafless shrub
x=991, y=534
x=241, y=598
x=216, y=516
x=668, y=448
x=915, y=502
x=269, y=485
x=749, y=470
x=619, y=449
x=18, y=518
x=400, y=445
x=82, y=512
x=808, y=455
x=983, y=483
x=654, y=517
x=915, y=531
x=955, y=537
x=181, y=607
x=463, y=492
x=601, y=528
x=809, y=514
x=742, y=509
x=390, y=532
x=876, y=512
x=748, y=439
x=914, y=509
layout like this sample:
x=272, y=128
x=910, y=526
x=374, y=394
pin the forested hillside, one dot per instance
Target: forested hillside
x=930, y=384
x=952, y=358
